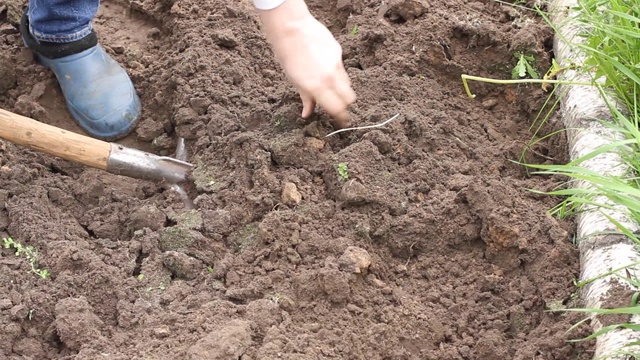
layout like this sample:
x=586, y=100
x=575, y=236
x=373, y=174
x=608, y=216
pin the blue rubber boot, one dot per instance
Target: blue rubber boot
x=98, y=92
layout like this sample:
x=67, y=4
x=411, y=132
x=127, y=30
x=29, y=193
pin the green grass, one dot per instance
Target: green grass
x=612, y=48
x=611, y=34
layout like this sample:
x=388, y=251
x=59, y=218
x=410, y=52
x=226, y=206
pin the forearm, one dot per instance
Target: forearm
x=279, y=17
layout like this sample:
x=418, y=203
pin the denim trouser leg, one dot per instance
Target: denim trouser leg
x=61, y=21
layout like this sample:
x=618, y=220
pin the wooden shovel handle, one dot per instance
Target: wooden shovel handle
x=54, y=141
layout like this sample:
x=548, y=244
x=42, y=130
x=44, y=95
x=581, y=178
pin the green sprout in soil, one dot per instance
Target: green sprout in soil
x=30, y=253
x=277, y=121
x=524, y=67
x=343, y=171
x=354, y=31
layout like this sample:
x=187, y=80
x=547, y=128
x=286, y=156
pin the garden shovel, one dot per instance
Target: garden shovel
x=110, y=157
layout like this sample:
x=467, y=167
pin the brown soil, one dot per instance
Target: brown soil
x=430, y=248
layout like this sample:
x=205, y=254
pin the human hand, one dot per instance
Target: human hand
x=311, y=58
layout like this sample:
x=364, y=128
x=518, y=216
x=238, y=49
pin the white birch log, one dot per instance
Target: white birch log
x=582, y=108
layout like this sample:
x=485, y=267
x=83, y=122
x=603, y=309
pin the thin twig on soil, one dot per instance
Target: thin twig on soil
x=366, y=127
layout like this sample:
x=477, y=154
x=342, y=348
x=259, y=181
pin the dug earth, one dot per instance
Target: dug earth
x=416, y=240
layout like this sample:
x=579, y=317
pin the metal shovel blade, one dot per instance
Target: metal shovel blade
x=142, y=165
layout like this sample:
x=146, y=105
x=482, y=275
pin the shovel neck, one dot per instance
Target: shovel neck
x=142, y=165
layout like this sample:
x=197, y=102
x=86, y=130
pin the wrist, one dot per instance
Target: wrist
x=267, y=4
x=284, y=19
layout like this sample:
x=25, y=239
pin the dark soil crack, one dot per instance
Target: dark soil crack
x=139, y=259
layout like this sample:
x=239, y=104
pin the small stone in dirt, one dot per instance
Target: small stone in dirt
x=314, y=327
x=162, y=332
x=489, y=104
x=181, y=265
x=355, y=260
x=118, y=49
x=290, y=194
x=229, y=341
x=148, y=216
x=354, y=309
x=372, y=279
x=75, y=322
x=287, y=304
x=404, y=10
x=225, y=38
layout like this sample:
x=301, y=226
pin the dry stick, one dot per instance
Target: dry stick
x=602, y=247
x=366, y=127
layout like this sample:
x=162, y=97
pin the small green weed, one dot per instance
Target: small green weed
x=354, y=31
x=343, y=171
x=277, y=121
x=524, y=67
x=30, y=253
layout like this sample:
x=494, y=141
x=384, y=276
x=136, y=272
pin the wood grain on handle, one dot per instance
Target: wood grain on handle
x=54, y=141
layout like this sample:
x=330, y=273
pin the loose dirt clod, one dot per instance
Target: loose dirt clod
x=76, y=324
x=228, y=341
x=403, y=10
x=355, y=260
x=148, y=216
x=290, y=194
x=181, y=265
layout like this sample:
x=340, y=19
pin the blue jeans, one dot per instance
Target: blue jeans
x=61, y=21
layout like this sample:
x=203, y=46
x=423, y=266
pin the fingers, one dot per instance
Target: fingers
x=308, y=104
x=334, y=98
x=332, y=103
x=343, y=88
